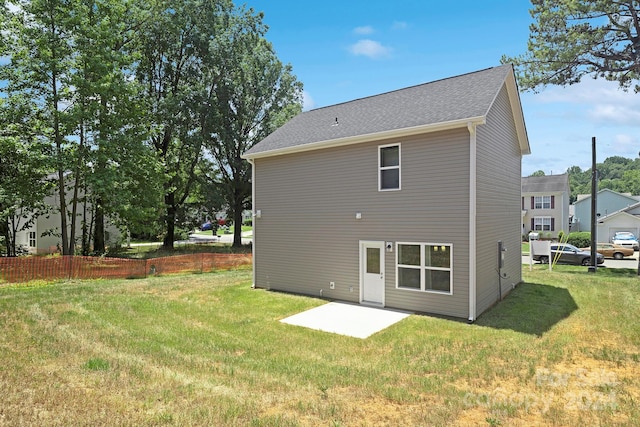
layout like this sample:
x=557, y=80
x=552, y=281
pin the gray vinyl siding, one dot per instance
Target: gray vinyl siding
x=498, y=187
x=307, y=235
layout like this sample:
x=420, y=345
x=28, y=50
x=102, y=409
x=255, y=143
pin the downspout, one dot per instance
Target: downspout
x=472, y=221
x=253, y=220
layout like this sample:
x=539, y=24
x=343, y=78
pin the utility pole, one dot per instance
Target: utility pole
x=594, y=220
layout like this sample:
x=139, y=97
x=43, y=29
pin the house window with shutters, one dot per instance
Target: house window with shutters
x=543, y=223
x=542, y=202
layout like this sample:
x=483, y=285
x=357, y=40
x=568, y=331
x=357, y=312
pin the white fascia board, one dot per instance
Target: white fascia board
x=396, y=133
x=518, y=115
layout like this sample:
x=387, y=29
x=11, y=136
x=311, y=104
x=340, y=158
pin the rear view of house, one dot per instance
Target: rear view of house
x=409, y=199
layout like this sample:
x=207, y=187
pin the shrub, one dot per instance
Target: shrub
x=581, y=239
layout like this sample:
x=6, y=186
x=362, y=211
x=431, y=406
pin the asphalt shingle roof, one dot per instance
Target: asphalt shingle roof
x=545, y=184
x=452, y=99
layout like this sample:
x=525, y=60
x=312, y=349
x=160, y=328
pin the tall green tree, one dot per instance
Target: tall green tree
x=74, y=58
x=570, y=39
x=40, y=50
x=23, y=169
x=111, y=130
x=249, y=93
x=169, y=72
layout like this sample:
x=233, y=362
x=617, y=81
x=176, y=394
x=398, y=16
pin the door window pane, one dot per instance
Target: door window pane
x=373, y=260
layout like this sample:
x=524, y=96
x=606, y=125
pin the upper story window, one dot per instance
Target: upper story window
x=542, y=202
x=389, y=167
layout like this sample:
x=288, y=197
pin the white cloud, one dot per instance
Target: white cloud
x=365, y=30
x=604, y=101
x=400, y=25
x=615, y=114
x=307, y=101
x=369, y=48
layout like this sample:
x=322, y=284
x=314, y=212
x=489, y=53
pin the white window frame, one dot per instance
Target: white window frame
x=423, y=268
x=32, y=239
x=381, y=168
x=542, y=202
x=541, y=221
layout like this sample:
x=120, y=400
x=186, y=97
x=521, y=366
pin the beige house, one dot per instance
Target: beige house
x=409, y=199
x=43, y=237
x=545, y=205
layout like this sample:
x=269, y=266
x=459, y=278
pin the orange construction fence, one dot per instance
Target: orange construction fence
x=24, y=269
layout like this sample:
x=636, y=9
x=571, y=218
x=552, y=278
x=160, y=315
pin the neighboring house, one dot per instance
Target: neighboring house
x=615, y=212
x=43, y=237
x=400, y=200
x=545, y=205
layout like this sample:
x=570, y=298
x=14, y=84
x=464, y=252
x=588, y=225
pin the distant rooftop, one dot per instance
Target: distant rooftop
x=545, y=184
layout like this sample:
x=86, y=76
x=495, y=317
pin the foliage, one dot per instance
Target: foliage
x=23, y=163
x=144, y=107
x=249, y=93
x=616, y=173
x=580, y=239
x=570, y=39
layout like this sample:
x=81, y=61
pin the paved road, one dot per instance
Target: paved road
x=224, y=238
x=204, y=238
x=629, y=262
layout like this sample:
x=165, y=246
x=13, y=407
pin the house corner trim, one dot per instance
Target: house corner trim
x=472, y=220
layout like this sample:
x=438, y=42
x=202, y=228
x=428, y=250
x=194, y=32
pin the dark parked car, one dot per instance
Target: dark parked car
x=568, y=254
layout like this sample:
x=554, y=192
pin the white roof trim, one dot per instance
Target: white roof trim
x=396, y=133
x=518, y=115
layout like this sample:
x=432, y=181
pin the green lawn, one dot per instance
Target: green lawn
x=562, y=349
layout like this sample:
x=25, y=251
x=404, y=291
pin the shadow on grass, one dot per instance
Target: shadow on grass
x=531, y=308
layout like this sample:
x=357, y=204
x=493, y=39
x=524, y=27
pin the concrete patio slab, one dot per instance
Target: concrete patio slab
x=347, y=319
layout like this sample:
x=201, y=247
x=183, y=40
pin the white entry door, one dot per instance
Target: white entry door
x=372, y=272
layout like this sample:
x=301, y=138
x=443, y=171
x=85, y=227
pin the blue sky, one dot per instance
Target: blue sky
x=344, y=50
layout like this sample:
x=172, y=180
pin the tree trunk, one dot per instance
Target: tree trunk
x=4, y=231
x=237, y=222
x=98, y=231
x=170, y=220
x=63, y=211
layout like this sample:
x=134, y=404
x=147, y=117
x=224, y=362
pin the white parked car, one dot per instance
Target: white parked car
x=626, y=239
